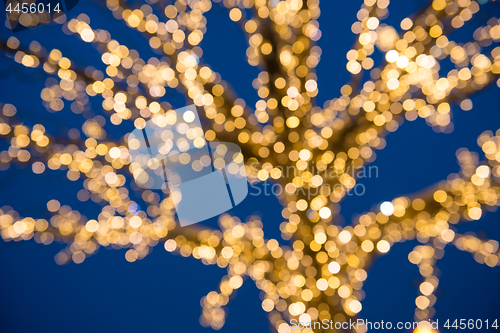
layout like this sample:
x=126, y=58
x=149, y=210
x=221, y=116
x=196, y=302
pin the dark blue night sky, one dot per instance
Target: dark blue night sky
x=162, y=292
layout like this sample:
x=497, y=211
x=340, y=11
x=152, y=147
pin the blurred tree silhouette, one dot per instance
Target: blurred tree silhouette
x=317, y=270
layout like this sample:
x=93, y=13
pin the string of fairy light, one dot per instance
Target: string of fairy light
x=320, y=273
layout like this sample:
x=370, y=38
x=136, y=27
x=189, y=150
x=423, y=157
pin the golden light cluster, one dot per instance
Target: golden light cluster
x=320, y=273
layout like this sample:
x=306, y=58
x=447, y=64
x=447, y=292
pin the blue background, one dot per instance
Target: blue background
x=162, y=292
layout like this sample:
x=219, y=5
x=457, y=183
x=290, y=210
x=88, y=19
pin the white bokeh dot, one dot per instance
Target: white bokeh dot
x=334, y=267
x=387, y=208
